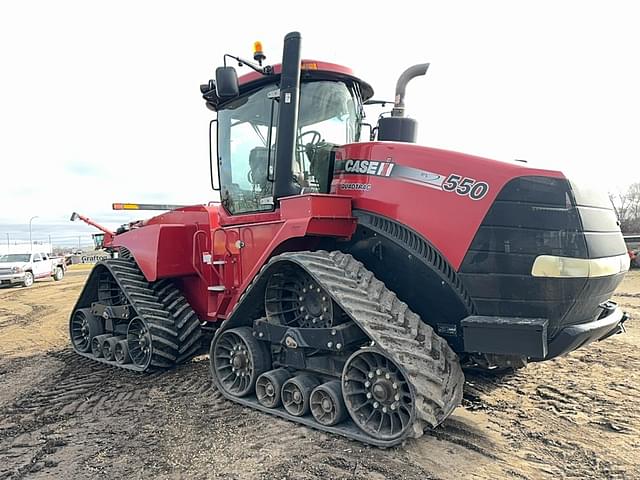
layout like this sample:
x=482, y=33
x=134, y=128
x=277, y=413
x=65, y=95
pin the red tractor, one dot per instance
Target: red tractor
x=343, y=284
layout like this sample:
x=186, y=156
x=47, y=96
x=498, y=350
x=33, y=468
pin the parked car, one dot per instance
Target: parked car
x=25, y=268
x=633, y=248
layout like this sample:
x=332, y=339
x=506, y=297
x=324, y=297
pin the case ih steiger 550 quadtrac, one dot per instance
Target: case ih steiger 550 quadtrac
x=344, y=284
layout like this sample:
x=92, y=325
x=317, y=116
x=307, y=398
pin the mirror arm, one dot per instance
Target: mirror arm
x=263, y=70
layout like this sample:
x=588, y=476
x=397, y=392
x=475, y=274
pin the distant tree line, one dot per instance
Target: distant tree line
x=627, y=206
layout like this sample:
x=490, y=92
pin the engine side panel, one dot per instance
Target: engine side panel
x=442, y=195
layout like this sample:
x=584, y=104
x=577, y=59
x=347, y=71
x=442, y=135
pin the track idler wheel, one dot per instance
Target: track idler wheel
x=269, y=387
x=296, y=393
x=326, y=403
x=377, y=395
x=109, y=347
x=83, y=327
x=97, y=344
x=139, y=342
x=237, y=359
x=293, y=298
x=121, y=352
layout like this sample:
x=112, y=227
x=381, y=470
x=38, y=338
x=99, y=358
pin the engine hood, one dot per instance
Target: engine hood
x=4, y=265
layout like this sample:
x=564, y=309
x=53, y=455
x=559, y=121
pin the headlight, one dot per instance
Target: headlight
x=566, y=267
x=16, y=270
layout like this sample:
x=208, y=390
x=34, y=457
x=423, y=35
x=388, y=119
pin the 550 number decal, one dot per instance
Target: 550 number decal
x=465, y=186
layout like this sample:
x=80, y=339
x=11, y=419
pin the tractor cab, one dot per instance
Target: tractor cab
x=258, y=123
x=247, y=131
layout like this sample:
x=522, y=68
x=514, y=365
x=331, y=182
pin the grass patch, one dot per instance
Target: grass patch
x=80, y=266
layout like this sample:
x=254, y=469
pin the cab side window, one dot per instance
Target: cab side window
x=37, y=257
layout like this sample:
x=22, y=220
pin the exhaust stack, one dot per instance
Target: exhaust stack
x=287, y=117
x=398, y=128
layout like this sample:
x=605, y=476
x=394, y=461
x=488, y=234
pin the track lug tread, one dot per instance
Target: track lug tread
x=160, y=329
x=430, y=364
x=173, y=325
x=132, y=276
x=192, y=342
x=175, y=301
x=180, y=310
x=190, y=316
x=153, y=311
x=148, y=296
x=188, y=331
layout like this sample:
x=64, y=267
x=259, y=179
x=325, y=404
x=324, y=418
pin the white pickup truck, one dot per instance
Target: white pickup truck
x=24, y=268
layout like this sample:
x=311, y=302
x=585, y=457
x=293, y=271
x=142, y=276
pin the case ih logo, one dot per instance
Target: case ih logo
x=454, y=183
x=369, y=167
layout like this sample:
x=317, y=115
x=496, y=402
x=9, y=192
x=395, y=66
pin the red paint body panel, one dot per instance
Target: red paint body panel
x=204, y=246
x=163, y=248
x=300, y=216
x=163, y=245
x=175, y=245
x=449, y=221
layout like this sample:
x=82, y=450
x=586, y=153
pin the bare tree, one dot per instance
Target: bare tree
x=627, y=207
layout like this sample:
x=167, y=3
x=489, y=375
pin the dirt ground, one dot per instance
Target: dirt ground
x=61, y=416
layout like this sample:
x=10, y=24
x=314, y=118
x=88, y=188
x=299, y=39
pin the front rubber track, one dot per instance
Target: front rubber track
x=427, y=361
x=174, y=326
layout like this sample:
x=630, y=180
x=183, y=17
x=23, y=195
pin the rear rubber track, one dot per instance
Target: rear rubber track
x=431, y=366
x=174, y=326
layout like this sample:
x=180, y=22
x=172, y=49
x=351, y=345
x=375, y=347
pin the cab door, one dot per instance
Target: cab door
x=38, y=265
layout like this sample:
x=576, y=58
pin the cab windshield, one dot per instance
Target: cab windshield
x=247, y=132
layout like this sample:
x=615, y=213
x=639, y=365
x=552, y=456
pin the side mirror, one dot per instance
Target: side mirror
x=227, y=83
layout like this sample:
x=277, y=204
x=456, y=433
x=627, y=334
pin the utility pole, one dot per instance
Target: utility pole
x=8, y=244
x=30, y=241
x=79, y=242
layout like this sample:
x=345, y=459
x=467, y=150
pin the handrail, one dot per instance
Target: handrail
x=194, y=256
x=226, y=239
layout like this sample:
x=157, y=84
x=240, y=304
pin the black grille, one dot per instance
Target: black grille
x=535, y=216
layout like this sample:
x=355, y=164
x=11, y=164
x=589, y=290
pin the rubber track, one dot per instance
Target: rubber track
x=174, y=326
x=432, y=367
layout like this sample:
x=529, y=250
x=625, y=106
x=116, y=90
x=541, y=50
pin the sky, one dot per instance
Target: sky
x=100, y=102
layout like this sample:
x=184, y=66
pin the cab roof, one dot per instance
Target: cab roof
x=311, y=69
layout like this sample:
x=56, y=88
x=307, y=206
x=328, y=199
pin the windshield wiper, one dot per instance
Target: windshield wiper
x=259, y=133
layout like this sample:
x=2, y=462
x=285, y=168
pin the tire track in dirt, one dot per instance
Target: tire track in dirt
x=21, y=320
x=61, y=415
x=30, y=317
x=86, y=394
